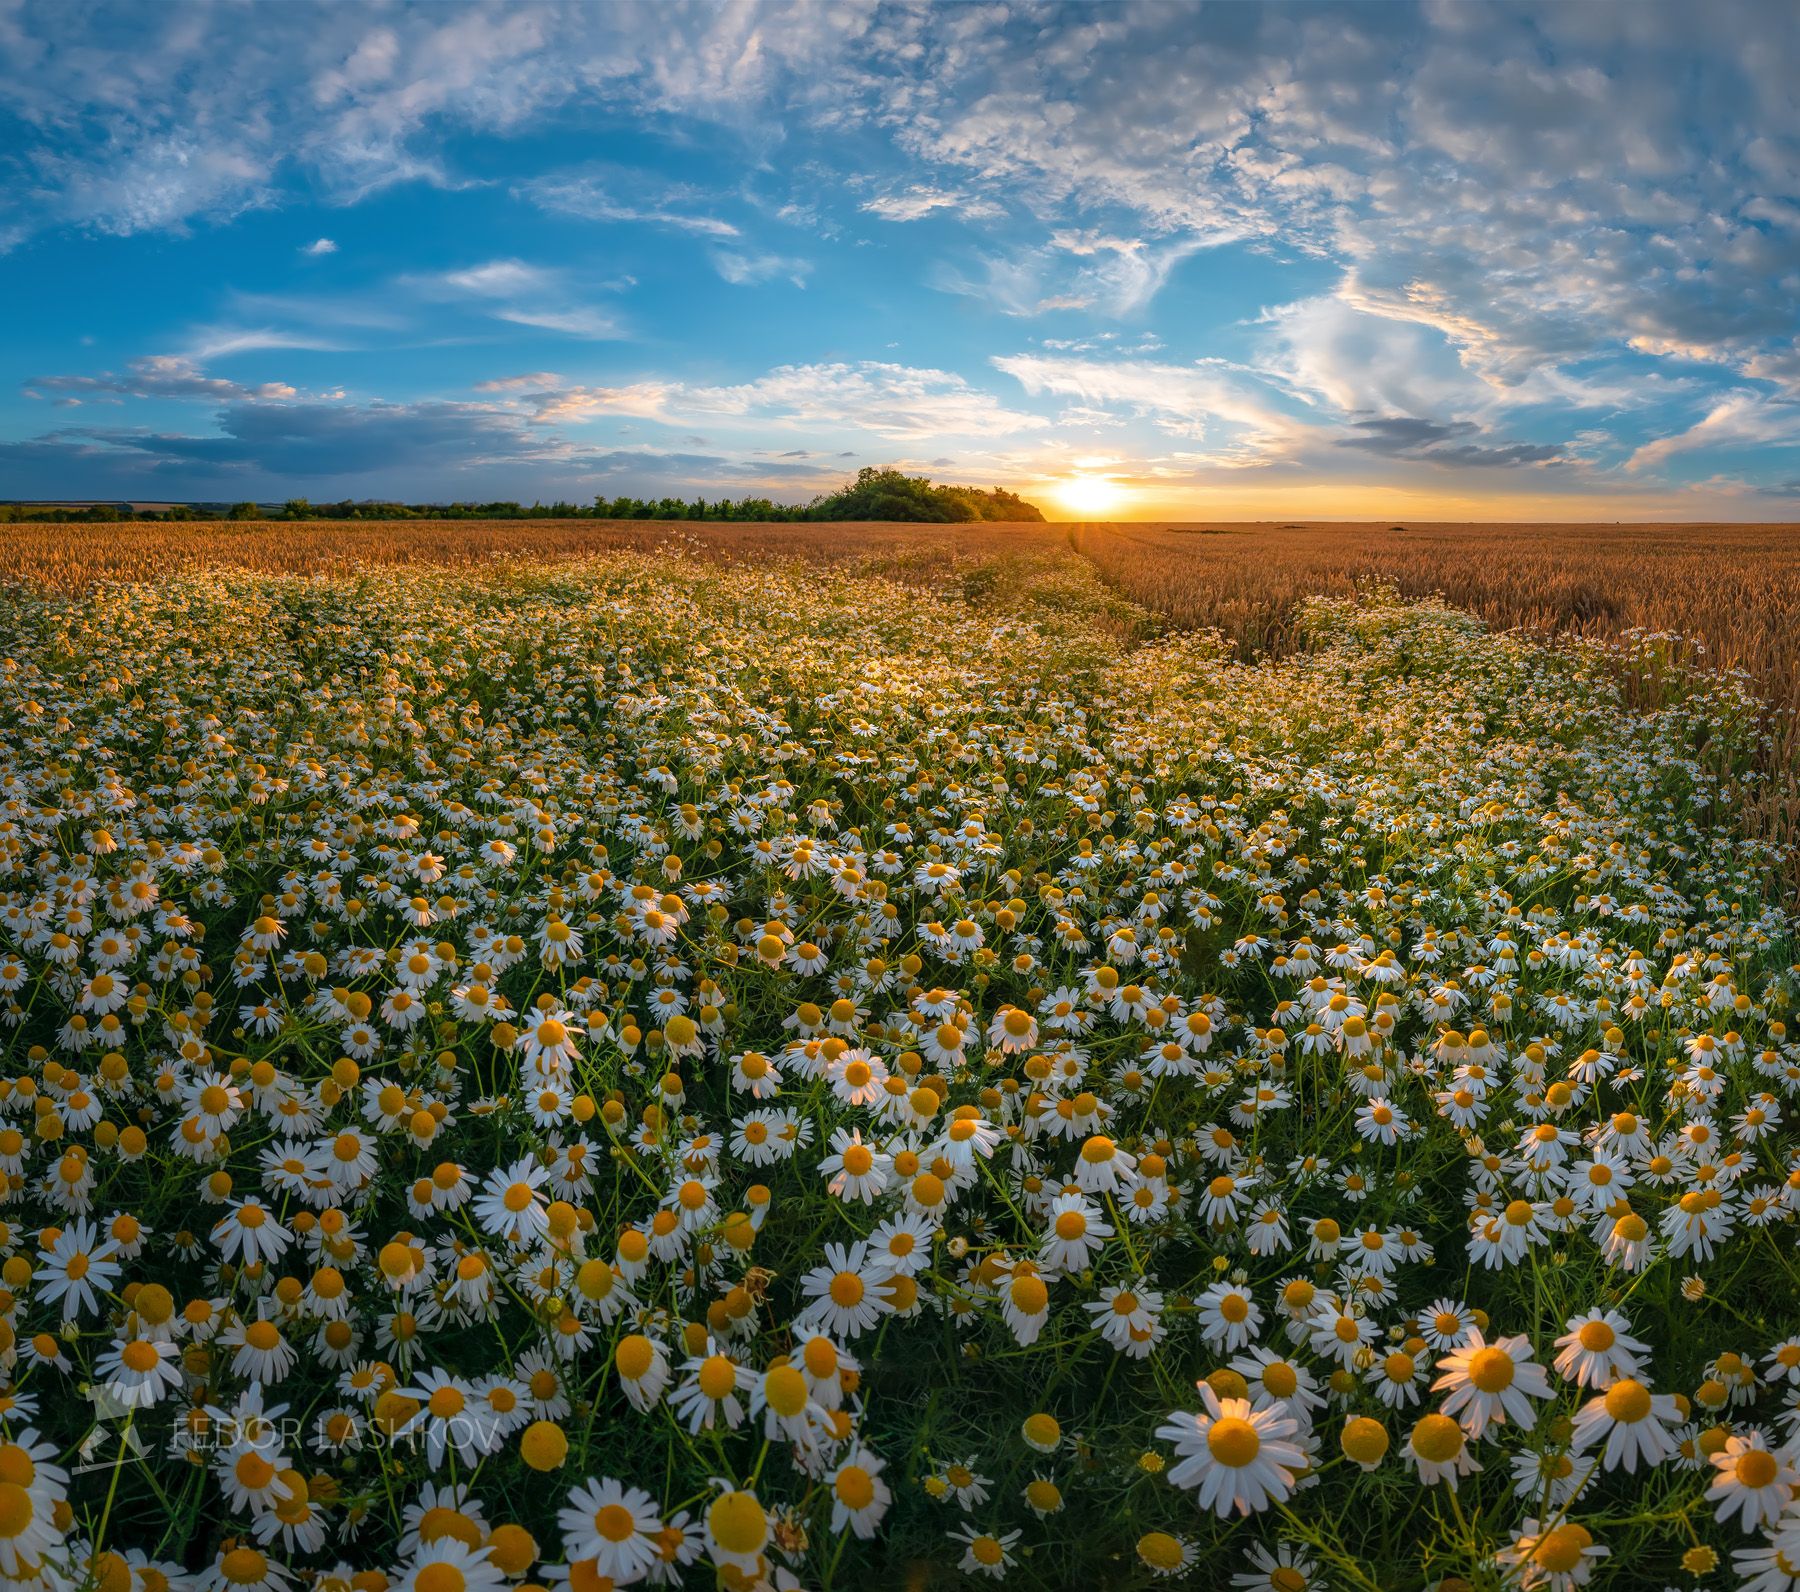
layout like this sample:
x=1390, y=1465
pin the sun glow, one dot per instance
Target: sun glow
x=1092, y=495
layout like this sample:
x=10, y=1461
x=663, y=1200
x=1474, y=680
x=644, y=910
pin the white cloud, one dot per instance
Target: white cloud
x=214, y=342
x=595, y=325
x=1741, y=419
x=320, y=246
x=1074, y=269
x=1512, y=197
x=162, y=376
x=897, y=402
x=530, y=381
x=1539, y=202
x=1012, y=284
x=526, y=295
x=1238, y=418
x=744, y=269
x=920, y=200
x=315, y=321
x=1181, y=400
x=644, y=400
x=1329, y=350
x=138, y=118
x=591, y=199
x=160, y=183
x=1123, y=274
x=500, y=279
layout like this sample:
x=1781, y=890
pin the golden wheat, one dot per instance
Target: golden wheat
x=72, y=556
x=1732, y=591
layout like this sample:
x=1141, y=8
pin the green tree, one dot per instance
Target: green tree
x=890, y=495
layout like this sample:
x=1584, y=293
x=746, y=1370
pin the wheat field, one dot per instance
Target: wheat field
x=1733, y=588
x=1724, y=596
x=1736, y=588
x=69, y=557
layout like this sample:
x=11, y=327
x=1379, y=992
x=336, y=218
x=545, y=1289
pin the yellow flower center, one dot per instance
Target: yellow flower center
x=1437, y=1439
x=1159, y=1550
x=1596, y=1336
x=243, y=1567
x=614, y=1522
x=738, y=1523
x=16, y=1509
x=1233, y=1442
x=1756, y=1468
x=1559, y=1549
x=718, y=1376
x=855, y=1487
x=1491, y=1370
x=1628, y=1401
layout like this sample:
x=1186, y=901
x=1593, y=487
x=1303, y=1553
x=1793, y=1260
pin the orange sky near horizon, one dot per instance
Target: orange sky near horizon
x=1119, y=497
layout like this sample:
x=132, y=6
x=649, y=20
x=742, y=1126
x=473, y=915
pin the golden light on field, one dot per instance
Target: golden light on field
x=1068, y=662
x=1092, y=496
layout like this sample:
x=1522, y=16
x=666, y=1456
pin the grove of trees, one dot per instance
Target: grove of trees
x=873, y=495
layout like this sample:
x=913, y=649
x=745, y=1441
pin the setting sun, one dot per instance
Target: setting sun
x=1094, y=495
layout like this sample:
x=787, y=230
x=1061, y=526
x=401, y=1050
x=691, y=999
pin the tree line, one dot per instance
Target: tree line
x=873, y=495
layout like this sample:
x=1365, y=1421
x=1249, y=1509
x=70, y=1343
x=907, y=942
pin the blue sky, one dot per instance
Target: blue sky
x=1194, y=261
